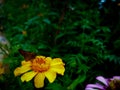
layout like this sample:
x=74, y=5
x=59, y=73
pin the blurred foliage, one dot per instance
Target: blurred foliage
x=77, y=31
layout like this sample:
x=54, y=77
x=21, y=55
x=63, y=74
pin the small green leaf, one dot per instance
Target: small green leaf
x=80, y=79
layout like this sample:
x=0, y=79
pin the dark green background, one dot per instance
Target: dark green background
x=84, y=33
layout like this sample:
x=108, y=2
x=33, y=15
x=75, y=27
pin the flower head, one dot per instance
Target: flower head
x=105, y=84
x=39, y=68
x=1, y=69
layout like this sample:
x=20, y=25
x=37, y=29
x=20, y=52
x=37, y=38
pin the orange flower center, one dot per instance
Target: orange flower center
x=114, y=85
x=40, y=64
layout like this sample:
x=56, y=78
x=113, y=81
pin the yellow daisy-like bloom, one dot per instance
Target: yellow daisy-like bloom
x=39, y=68
x=1, y=68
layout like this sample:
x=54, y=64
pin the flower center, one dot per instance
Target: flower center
x=114, y=85
x=40, y=64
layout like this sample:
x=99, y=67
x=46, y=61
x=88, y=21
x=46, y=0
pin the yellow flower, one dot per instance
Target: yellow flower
x=39, y=68
x=1, y=69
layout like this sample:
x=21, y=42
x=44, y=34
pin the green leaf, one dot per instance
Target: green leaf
x=78, y=80
x=46, y=20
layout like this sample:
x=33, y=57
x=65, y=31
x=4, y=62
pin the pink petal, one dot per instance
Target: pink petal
x=116, y=77
x=102, y=79
x=94, y=86
x=90, y=89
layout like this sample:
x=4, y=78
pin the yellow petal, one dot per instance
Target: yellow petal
x=49, y=59
x=57, y=61
x=1, y=70
x=17, y=71
x=28, y=76
x=21, y=70
x=42, y=57
x=50, y=75
x=26, y=63
x=39, y=80
x=58, y=69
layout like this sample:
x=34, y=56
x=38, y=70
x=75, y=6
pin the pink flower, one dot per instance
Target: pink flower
x=105, y=84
